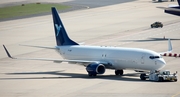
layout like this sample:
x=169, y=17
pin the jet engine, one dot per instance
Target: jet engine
x=94, y=68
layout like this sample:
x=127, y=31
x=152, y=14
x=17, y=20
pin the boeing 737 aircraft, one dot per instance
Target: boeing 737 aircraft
x=97, y=59
x=173, y=9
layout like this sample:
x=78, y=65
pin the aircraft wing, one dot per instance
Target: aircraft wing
x=37, y=46
x=81, y=62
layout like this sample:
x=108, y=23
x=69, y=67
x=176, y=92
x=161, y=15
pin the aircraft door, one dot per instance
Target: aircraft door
x=103, y=55
x=143, y=59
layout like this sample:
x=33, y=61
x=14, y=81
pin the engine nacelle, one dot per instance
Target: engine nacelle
x=95, y=68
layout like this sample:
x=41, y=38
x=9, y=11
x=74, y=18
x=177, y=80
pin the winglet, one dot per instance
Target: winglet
x=8, y=54
x=169, y=46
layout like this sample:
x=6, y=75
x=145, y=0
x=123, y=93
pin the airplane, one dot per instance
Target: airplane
x=97, y=59
x=173, y=9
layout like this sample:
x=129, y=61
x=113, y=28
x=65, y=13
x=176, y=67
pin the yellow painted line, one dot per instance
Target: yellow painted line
x=175, y=95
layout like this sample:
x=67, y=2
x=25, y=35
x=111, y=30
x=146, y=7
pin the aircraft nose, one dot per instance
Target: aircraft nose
x=161, y=63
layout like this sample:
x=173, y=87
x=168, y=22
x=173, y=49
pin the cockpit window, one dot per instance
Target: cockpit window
x=154, y=57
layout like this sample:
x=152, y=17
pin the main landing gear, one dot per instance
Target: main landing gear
x=92, y=74
x=143, y=76
x=119, y=72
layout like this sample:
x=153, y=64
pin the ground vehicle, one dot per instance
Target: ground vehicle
x=160, y=76
x=156, y=25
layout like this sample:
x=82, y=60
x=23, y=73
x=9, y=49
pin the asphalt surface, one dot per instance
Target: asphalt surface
x=90, y=4
x=75, y=5
x=123, y=25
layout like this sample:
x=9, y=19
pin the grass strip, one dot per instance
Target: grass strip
x=28, y=9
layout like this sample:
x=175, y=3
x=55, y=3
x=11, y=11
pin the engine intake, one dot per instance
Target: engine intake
x=95, y=68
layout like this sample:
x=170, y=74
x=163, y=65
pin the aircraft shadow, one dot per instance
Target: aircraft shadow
x=63, y=75
x=159, y=1
x=150, y=39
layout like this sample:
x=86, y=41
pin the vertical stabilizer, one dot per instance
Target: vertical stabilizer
x=169, y=45
x=60, y=32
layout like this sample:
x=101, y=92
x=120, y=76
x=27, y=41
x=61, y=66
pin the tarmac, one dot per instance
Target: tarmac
x=124, y=24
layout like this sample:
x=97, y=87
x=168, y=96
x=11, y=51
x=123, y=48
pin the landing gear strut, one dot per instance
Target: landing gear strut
x=119, y=72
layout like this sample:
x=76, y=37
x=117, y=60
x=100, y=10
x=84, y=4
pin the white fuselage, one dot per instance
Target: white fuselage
x=120, y=58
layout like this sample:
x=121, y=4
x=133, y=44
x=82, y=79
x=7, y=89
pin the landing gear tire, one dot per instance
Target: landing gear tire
x=92, y=74
x=119, y=72
x=143, y=76
x=161, y=79
x=175, y=80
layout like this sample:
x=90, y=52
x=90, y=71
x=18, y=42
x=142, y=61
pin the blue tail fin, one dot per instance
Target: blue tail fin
x=60, y=32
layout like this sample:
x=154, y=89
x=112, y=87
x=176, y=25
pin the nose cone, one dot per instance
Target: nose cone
x=160, y=63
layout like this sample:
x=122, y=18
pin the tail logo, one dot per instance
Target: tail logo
x=58, y=28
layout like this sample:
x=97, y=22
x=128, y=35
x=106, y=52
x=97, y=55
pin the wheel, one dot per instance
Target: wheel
x=119, y=72
x=161, y=79
x=143, y=76
x=175, y=80
x=92, y=75
x=151, y=26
